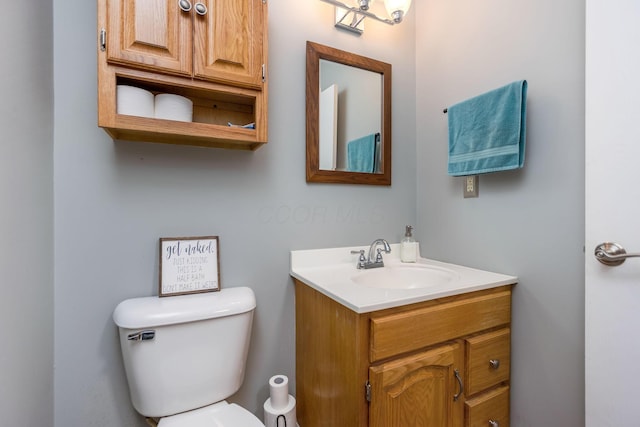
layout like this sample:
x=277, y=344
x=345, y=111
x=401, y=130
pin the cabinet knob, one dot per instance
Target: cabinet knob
x=201, y=9
x=184, y=5
x=494, y=363
x=493, y=423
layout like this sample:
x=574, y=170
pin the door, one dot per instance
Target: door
x=328, y=127
x=421, y=390
x=152, y=34
x=612, y=294
x=229, y=42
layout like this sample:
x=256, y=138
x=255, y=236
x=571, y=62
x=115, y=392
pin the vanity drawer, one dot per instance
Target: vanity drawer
x=488, y=360
x=411, y=330
x=489, y=409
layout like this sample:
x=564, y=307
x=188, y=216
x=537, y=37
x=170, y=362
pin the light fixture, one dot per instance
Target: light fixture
x=351, y=17
x=397, y=9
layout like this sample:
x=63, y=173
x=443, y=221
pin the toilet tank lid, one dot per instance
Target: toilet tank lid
x=148, y=312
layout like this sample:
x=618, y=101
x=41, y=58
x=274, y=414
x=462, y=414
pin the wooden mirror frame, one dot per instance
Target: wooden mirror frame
x=316, y=52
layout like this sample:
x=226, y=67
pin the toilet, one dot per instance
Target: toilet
x=183, y=355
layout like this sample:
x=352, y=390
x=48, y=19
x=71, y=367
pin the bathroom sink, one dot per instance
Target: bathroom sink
x=405, y=276
x=334, y=273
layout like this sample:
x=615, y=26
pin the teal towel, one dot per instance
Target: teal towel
x=487, y=132
x=361, y=154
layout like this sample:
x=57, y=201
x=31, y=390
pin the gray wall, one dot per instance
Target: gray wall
x=528, y=222
x=26, y=216
x=115, y=199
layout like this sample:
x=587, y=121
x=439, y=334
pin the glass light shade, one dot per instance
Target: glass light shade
x=397, y=9
x=364, y=4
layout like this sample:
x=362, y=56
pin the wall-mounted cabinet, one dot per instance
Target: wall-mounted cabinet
x=212, y=52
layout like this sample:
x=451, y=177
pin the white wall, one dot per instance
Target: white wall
x=528, y=222
x=115, y=199
x=26, y=223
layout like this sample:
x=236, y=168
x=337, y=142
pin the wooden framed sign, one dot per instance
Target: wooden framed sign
x=189, y=265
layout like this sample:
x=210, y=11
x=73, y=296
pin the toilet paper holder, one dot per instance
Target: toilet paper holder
x=280, y=407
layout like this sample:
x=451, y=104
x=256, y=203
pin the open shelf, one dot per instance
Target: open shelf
x=215, y=107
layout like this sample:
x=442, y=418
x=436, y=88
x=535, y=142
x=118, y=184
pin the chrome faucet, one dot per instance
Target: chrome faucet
x=370, y=262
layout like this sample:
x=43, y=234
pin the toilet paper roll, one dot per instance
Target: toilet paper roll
x=173, y=107
x=283, y=417
x=134, y=101
x=279, y=391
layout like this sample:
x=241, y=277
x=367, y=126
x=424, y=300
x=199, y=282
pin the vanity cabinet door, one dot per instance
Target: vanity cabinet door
x=155, y=35
x=418, y=390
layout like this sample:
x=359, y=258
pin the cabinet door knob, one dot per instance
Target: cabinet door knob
x=493, y=423
x=494, y=363
x=184, y=5
x=201, y=9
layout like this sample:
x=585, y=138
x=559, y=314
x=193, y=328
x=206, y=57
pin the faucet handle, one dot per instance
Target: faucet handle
x=379, y=255
x=361, y=260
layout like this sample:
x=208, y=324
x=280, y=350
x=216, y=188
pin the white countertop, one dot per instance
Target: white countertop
x=330, y=271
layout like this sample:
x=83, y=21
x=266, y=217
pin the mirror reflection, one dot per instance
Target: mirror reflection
x=348, y=117
x=350, y=114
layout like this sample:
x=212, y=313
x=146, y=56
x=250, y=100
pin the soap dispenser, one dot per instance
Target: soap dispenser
x=408, y=247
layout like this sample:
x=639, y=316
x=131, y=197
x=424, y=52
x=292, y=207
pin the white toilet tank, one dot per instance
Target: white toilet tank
x=184, y=352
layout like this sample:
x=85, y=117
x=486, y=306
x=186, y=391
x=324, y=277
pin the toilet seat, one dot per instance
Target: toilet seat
x=221, y=414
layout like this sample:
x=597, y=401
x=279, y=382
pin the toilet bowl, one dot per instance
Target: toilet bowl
x=184, y=355
x=221, y=414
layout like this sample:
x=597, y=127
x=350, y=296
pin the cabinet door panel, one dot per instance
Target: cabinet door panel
x=417, y=390
x=229, y=42
x=150, y=34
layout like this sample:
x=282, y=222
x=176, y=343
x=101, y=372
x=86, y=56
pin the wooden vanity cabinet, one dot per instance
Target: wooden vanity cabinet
x=217, y=58
x=439, y=363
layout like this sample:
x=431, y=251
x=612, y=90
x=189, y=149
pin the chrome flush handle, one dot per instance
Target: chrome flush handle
x=145, y=335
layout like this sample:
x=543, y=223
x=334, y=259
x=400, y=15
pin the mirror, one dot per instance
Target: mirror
x=348, y=117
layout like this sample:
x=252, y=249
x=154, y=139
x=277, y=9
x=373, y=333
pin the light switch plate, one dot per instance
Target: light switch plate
x=471, y=186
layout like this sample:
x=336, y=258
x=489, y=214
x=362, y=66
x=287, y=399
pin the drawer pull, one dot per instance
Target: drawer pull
x=461, y=387
x=493, y=423
x=494, y=364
